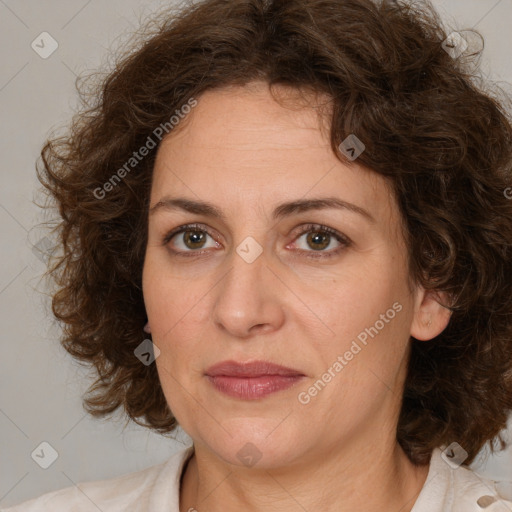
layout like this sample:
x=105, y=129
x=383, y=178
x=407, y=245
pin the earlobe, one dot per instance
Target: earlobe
x=430, y=317
x=147, y=328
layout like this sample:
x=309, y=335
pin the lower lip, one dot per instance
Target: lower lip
x=252, y=388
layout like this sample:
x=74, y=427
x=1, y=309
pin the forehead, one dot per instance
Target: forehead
x=239, y=146
x=251, y=116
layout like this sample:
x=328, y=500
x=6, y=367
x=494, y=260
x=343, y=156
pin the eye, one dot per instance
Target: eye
x=320, y=238
x=193, y=237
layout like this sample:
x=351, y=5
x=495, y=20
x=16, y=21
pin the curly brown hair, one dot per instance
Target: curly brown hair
x=436, y=129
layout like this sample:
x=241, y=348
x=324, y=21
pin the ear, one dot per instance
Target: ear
x=147, y=328
x=430, y=316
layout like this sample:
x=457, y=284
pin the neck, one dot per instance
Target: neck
x=355, y=477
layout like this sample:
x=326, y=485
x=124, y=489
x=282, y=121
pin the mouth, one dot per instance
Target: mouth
x=251, y=381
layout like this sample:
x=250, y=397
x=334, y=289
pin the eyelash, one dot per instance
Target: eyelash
x=342, y=239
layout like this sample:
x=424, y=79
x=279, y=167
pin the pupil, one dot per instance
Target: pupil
x=194, y=237
x=316, y=238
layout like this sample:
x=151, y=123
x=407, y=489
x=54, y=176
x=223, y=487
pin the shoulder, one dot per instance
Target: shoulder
x=107, y=495
x=472, y=491
x=133, y=491
x=457, y=488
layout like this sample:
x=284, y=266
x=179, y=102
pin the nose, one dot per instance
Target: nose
x=249, y=298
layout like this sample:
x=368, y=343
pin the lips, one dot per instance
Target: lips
x=251, y=381
x=252, y=369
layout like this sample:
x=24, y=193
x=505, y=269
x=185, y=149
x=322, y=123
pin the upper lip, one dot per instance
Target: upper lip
x=250, y=369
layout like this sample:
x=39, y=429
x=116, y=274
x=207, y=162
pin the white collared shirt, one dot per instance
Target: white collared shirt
x=156, y=489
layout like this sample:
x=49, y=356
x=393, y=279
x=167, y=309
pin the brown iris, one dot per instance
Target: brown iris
x=315, y=237
x=196, y=238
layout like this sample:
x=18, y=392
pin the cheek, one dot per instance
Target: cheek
x=355, y=299
x=169, y=298
x=176, y=310
x=176, y=314
x=364, y=364
x=368, y=312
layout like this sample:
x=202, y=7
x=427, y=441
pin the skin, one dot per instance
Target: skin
x=245, y=153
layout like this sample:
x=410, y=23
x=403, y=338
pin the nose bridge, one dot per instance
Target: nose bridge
x=247, y=264
x=248, y=258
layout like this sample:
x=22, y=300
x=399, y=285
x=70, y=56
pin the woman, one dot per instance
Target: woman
x=303, y=205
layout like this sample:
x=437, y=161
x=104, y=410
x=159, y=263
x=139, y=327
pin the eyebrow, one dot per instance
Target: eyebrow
x=281, y=211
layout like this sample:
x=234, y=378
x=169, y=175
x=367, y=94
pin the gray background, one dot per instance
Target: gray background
x=40, y=386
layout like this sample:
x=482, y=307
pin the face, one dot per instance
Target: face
x=320, y=288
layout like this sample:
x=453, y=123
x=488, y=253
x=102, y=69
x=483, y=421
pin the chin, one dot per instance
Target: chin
x=254, y=442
